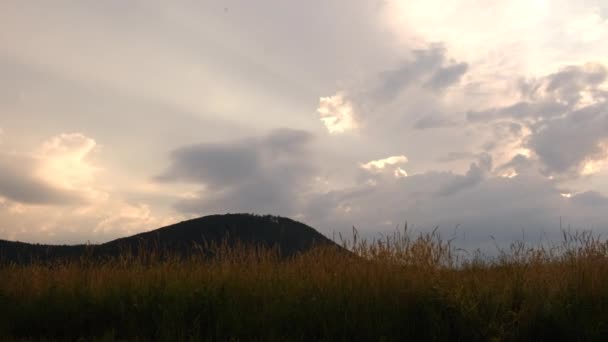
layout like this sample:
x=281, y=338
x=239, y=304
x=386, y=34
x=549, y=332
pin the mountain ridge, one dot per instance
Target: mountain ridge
x=290, y=237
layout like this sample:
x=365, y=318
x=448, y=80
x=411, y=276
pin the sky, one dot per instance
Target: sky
x=487, y=119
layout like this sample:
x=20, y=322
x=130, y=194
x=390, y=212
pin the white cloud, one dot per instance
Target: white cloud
x=510, y=173
x=382, y=163
x=64, y=163
x=545, y=35
x=390, y=164
x=400, y=173
x=96, y=222
x=63, y=196
x=592, y=167
x=337, y=113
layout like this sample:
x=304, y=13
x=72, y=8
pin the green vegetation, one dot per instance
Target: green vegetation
x=400, y=288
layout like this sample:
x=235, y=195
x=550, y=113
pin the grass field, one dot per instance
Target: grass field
x=401, y=288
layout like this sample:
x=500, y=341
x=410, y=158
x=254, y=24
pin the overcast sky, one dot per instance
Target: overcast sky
x=118, y=117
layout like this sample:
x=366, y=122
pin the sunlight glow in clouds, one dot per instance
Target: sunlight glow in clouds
x=509, y=174
x=381, y=164
x=592, y=167
x=337, y=113
x=400, y=173
x=499, y=37
x=64, y=163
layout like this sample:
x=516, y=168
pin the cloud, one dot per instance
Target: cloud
x=427, y=67
x=382, y=163
x=590, y=198
x=56, y=173
x=19, y=183
x=123, y=218
x=390, y=165
x=448, y=75
x=391, y=102
x=216, y=165
x=457, y=156
x=492, y=131
x=475, y=174
x=263, y=174
x=337, y=114
x=564, y=116
x=433, y=121
x=77, y=223
x=64, y=161
x=480, y=203
x=55, y=193
x=566, y=144
x=571, y=86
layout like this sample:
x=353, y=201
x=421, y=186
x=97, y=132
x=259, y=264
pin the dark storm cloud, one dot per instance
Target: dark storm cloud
x=18, y=184
x=256, y=175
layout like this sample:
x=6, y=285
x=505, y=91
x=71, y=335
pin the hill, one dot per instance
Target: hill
x=197, y=235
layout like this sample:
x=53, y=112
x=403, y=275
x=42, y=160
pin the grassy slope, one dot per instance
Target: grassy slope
x=401, y=289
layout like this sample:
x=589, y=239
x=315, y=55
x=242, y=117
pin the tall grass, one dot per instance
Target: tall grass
x=402, y=287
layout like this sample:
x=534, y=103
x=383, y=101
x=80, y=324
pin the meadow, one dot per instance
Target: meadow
x=403, y=287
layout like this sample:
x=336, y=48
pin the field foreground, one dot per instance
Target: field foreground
x=400, y=288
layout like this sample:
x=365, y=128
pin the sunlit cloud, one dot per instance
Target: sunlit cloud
x=510, y=173
x=595, y=164
x=382, y=163
x=512, y=143
x=67, y=164
x=592, y=167
x=64, y=163
x=545, y=35
x=400, y=173
x=337, y=113
x=128, y=218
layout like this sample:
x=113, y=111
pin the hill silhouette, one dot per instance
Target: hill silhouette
x=288, y=236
